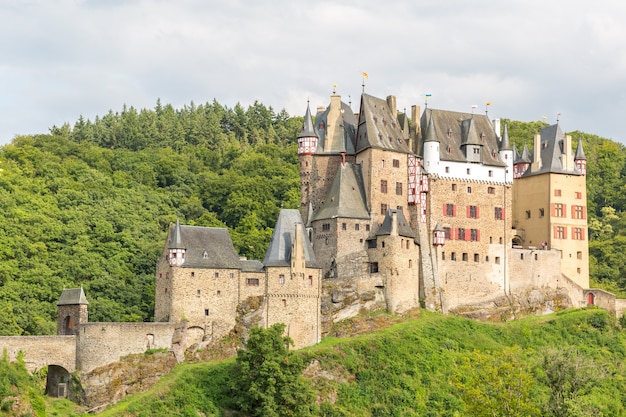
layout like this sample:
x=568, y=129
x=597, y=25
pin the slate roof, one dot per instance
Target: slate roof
x=346, y=197
x=308, y=130
x=249, y=265
x=205, y=247
x=552, y=142
x=505, y=143
x=349, y=129
x=279, y=251
x=454, y=129
x=524, y=157
x=580, y=154
x=378, y=127
x=403, y=226
x=72, y=296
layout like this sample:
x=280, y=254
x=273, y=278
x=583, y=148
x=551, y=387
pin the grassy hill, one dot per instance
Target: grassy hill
x=565, y=364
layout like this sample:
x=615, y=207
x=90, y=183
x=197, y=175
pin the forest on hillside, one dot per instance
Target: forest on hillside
x=88, y=204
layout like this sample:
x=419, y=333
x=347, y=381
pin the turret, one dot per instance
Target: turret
x=307, y=139
x=580, y=160
x=431, y=148
x=521, y=164
x=506, y=153
x=471, y=141
x=71, y=311
x=177, y=250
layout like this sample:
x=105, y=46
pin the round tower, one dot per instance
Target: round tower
x=176, y=249
x=506, y=153
x=580, y=160
x=431, y=148
x=307, y=145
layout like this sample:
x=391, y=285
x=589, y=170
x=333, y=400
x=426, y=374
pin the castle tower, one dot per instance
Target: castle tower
x=580, y=160
x=71, y=311
x=176, y=249
x=307, y=146
x=431, y=148
x=507, y=154
x=521, y=164
x=559, y=221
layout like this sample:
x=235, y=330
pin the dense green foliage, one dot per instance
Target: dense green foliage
x=566, y=364
x=89, y=204
x=80, y=214
x=17, y=385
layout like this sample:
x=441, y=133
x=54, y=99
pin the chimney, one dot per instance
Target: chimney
x=394, y=223
x=391, y=102
x=496, y=127
x=415, y=129
x=536, y=165
x=568, y=160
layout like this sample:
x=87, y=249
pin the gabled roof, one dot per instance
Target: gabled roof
x=336, y=145
x=453, y=129
x=346, y=197
x=72, y=296
x=403, y=226
x=552, y=147
x=378, y=127
x=279, y=251
x=206, y=247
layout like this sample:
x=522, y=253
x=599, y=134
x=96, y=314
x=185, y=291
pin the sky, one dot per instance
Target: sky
x=531, y=59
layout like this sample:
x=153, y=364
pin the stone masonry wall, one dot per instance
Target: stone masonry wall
x=41, y=351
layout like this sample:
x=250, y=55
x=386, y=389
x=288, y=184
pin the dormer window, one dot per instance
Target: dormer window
x=205, y=255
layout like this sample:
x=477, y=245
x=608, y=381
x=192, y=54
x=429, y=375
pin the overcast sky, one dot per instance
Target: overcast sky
x=60, y=59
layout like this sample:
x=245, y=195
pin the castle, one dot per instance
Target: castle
x=434, y=211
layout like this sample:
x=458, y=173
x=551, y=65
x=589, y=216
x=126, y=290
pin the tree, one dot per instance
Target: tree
x=268, y=377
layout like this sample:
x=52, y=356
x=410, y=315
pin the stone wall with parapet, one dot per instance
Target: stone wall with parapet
x=99, y=344
x=41, y=351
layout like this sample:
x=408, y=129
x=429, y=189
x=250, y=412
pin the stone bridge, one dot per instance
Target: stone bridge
x=41, y=351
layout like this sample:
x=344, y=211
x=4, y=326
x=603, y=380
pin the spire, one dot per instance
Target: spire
x=307, y=124
x=430, y=135
x=177, y=242
x=524, y=157
x=505, y=144
x=580, y=154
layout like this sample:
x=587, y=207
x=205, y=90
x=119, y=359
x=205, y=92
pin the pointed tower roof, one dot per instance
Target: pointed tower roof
x=403, y=226
x=469, y=133
x=72, y=296
x=346, y=197
x=580, y=154
x=279, y=251
x=177, y=242
x=308, y=130
x=505, y=144
x=430, y=135
x=524, y=157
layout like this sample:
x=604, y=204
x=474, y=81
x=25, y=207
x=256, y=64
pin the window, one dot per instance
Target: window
x=465, y=257
x=232, y=275
x=284, y=302
x=578, y=212
x=343, y=226
x=254, y=282
x=491, y=190
x=490, y=173
x=557, y=193
x=559, y=232
x=443, y=256
x=578, y=233
x=217, y=275
x=468, y=171
x=367, y=227
x=579, y=255
x=541, y=212
x=559, y=210
x=193, y=274
x=383, y=186
x=410, y=263
x=326, y=227
x=472, y=212
x=206, y=311
x=197, y=292
x=498, y=260
x=474, y=235
x=453, y=187
x=396, y=163
x=453, y=256
x=373, y=267
x=281, y=279
x=398, y=188
x=469, y=190
x=356, y=226
x=499, y=213
x=476, y=257
x=450, y=210
x=461, y=233
x=528, y=214
x=579, y=195
x=447, y=169
x=205, y=255
x=311, y=280
x=383, y=208
x=382, y=162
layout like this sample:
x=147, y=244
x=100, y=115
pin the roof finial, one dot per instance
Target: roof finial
x=365, y=76
x=487, y=104
x=426, y=100
x=558, y=117
x=334, y=88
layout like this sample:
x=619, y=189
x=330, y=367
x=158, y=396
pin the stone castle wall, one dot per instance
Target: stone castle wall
x=41, y=351
x=98, y=344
